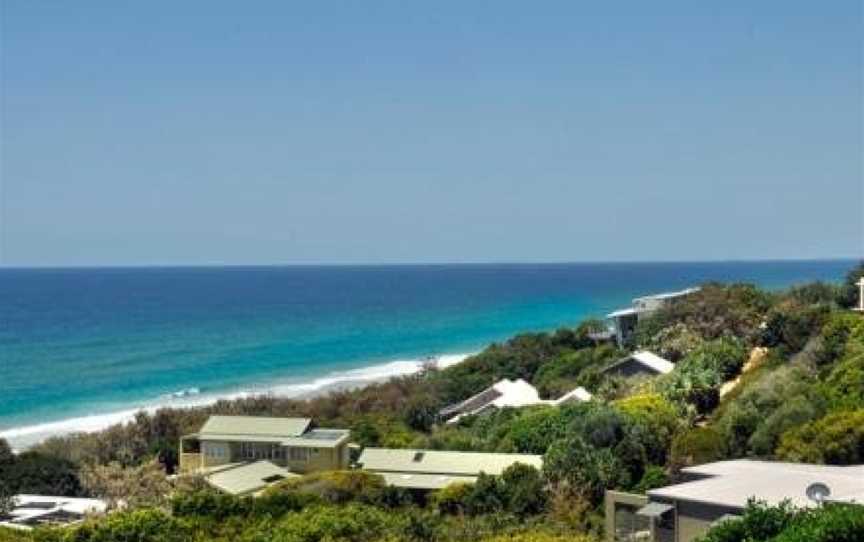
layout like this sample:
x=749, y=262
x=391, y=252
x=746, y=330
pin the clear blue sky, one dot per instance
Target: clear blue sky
x=201, y=132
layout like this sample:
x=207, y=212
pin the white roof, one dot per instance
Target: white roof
x=31, y=508
x=655, y=362
x=621, y=312
x=578, y=394
x=408, y=461
x=732, y=483
x=668, y=295
x=510, y=393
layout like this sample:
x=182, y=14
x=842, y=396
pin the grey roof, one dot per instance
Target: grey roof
x=248, y=477
x=732, y=483
x=424, y=481
x=319, y=438
x=253, y=426
x=442, y=463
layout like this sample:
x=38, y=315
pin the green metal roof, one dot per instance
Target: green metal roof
x=442, y=463
x=253, y=426
x=248, y=477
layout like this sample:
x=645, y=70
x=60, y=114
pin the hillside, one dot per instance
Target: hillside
x=776, y=375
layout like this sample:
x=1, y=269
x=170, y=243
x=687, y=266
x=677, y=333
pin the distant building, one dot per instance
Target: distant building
x=433, y=469
x=624, y=320
x=506, y=393
x=34, y=510
x=291, y=443
x=640, y=363
x=715, y=492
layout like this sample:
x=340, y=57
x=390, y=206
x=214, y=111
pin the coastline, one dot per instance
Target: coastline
x=22, y=437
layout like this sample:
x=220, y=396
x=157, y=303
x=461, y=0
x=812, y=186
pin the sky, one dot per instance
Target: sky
x=217, y=132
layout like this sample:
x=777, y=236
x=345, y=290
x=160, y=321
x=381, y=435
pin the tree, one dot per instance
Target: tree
x=523, y=490
x=487, y=496
x=581, y=469
x=145, y=485
x=421, y=413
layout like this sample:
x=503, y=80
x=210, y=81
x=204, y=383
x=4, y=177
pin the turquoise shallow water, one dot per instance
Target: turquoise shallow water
x=76, y=342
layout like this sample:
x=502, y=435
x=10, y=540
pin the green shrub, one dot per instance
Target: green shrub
x=761, y=523
x=836, y=439
x=696, y=446
x=523, y=490
x=451, y=498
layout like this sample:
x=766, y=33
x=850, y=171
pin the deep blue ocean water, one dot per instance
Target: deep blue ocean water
x=76, y=342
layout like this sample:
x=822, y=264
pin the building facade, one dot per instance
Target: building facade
x=292, y=443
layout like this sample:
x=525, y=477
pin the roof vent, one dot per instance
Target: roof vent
x=818, y=492
x=418, y=457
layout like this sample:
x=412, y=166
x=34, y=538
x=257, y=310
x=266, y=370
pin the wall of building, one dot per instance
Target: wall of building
x=319, y=459
x=215, y=453
x=621, y=519
x=694, y=519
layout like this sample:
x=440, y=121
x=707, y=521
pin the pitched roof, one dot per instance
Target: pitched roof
x=504, y=393
x=222, y=427
x=647, y=359
x=247, y=477
x=440, y=462
x=655, y=362
x=577, y=394
x=732, y=483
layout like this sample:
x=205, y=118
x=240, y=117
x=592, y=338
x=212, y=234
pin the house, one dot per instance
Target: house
x=624, y=320
x=640, y=363
x=246, y=478
x=432, y=469
x=292, y=443
x=30, y=511
x=715, y=492
x=506, y=393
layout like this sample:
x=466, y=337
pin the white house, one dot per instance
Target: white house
x=507, y=393
x=33, y=510
x=624, y=320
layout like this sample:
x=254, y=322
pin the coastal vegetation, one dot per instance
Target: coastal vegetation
x=759, y=374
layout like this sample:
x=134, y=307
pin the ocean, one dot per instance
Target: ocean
x=82, y=348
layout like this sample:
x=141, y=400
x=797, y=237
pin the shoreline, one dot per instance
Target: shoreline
x=22, y=437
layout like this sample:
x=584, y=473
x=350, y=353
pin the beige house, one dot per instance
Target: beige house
x=719, y=491
x=434, y=469
x=290, y=443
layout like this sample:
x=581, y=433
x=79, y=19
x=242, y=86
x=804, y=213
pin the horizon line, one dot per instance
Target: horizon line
x=428, y=264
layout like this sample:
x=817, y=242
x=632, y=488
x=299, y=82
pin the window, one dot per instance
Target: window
x=314, y=451
x=418, y=457
x=298, y=454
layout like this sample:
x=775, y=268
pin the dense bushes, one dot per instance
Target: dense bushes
x=761, y=523
x=35, y=472
x=697, y=378
x=836, y=439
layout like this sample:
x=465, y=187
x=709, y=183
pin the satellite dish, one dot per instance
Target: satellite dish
x=818, y=492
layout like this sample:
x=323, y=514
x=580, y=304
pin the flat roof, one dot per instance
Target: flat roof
x=424, y=481
x=257, y=426
x=648, y=360
x=248, y=477
x=441, y=462
x=732, y=483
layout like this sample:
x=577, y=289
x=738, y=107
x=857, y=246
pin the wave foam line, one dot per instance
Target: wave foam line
x=22, y=437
